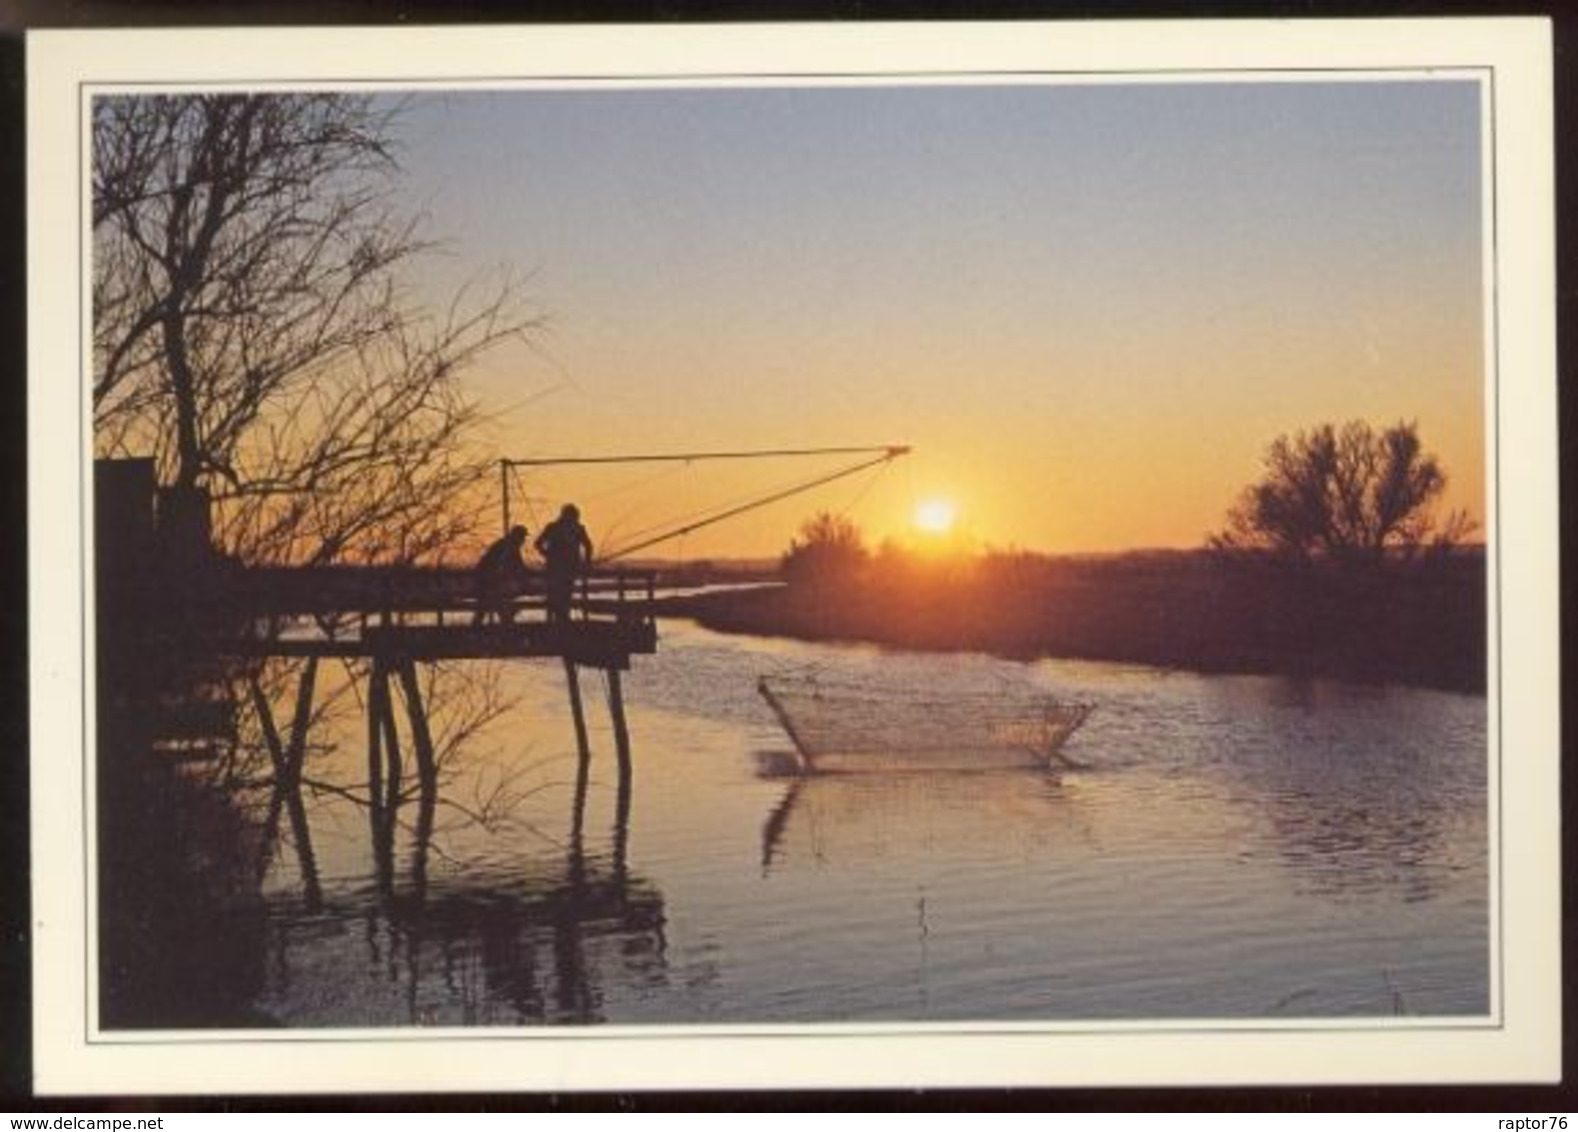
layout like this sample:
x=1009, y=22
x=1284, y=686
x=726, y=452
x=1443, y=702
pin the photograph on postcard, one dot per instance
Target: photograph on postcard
x=894, y=552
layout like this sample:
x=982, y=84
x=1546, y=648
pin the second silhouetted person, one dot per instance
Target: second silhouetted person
x=566, y=551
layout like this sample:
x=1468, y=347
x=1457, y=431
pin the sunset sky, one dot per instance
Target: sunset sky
x=1089, y=307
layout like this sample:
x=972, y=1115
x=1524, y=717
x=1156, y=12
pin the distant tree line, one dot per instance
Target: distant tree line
x=1353, y=497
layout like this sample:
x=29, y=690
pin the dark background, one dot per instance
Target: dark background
x=15, y=958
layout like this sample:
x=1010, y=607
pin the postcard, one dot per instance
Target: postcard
x=774, y=556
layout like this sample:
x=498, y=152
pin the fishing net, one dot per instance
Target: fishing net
x=859, y=727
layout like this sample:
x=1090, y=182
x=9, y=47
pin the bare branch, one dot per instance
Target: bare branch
x=252, y=333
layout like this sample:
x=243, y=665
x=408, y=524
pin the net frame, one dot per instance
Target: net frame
x=861, y=726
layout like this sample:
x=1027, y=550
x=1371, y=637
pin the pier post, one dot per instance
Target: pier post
x=616, y=709
x=583, y=775
x=426, y=769
x=276, y=800
x=384, y=774
x=394, y=760
x=295, y=756
x=421, y=735
x=377, y=691
x=572, y=679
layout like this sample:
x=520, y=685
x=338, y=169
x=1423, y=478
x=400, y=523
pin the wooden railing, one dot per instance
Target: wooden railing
x=406, y=593
x=352, y=611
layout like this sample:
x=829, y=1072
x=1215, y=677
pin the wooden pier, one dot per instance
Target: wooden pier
x=432, y=614
x=428, y=614
x=382, y=622
x=182, y=631
x=394, y=618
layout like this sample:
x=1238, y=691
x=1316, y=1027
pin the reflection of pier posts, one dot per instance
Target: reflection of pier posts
x=621, y=731
x=276, y=809
x=395, y=617
x=777, y=821
x=385, y=767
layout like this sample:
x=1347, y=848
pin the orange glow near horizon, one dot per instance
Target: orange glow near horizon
x=1107, y=478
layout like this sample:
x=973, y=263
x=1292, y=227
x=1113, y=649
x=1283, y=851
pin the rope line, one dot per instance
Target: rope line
x=680, y=520
x=884, y=454
x=888, y=454
x=889, y=451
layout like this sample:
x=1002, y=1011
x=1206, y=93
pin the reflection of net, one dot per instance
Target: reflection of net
x=907, y=727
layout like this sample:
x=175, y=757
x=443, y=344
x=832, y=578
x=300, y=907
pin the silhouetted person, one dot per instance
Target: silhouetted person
x=566, y=551
x=500, y=574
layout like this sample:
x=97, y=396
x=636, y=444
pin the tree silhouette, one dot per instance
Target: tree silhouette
x=252, y=329
x=828, y=548
x=1350, y=495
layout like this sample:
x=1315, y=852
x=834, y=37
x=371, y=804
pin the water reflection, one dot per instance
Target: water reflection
x=180, y=912
x=859, y=818
x=1241, y=848
x=1357, y=786
x=527, y=939
x=181, y=919
x=540, y=942
x=287, y=759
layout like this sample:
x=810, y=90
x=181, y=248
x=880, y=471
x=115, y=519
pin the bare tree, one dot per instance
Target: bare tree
x=1350, y=495
x=252, y=330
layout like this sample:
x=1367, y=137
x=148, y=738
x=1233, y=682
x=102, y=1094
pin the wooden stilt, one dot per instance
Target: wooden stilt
x=384, y=771
x=583, y=766
x=572, y=679
x=394, y=761
x=427, y=772
x=583, y=777
x=377, y=820
x=421, y=734
x=295, y=757
x=276, y=754
x=616, y=709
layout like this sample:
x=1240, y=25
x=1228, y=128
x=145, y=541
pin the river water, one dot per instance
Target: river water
x=1234, y=848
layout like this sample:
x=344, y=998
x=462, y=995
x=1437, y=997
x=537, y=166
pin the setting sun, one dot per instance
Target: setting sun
x=934, y=516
